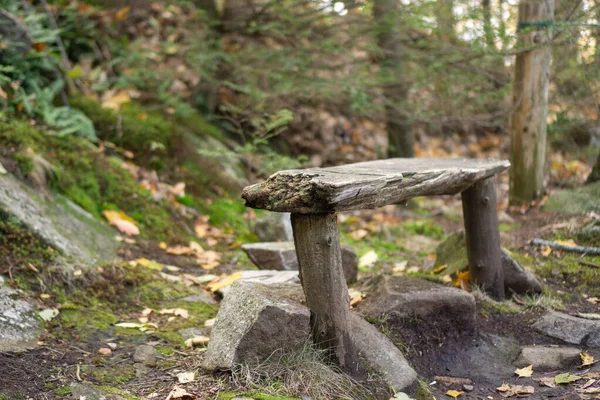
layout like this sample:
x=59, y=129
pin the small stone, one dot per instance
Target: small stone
x=146, y=355
x=272, y=226
x=548, y=357
x=82, y=391
x=570, y=329
x=140, y=369
x=104, y=351
x=281, y=256
x=113, y=346
x=468, y=388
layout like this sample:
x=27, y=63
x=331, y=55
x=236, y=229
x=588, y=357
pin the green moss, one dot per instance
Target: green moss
x=575, y=201
x=114, y=375
x=119, y=392
x=63, y=391
x=423, y=392
x=88, y=320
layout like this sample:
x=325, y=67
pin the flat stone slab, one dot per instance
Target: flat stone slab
x=549, y=357
x=368, y=184
x=19, y=326
x=59, y=222
x=433, y=304
x=82, y=391
x=570, y=329
x=282, y=256
x=254, y=322
x=266, y=277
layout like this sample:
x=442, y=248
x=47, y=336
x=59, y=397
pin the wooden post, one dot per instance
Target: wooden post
x=530, y=102
x=320, y=264
x=483, y=237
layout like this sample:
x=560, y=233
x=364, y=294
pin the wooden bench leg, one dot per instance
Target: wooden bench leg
x=483, y=237
x=320, y=263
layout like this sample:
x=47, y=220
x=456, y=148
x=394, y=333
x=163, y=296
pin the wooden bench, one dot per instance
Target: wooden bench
x=315, y=195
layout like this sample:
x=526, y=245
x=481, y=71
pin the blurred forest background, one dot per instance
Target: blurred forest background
x=304, y=82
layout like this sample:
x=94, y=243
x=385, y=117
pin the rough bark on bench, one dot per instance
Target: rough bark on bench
x=320, y=261
x=483, y=237
x=368, y=184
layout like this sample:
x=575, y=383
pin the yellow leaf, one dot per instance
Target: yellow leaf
x=355, y=297
x=453, y=393
x=122, y=13
x=197, y=341
x=220, y=284
x=122, y=222
x=569, y=242
x=586, y=359
x=503, y=388
x=114, y=101
x=162, y=245
x=144, y=262
x=546, y=250
x=525, y=372
x=439, y=268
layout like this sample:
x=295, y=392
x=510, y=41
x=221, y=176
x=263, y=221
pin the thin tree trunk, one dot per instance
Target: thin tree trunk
x=530, y=100
x=595, y=175
x=444, y=15
x=400, y=135
x=488, y=29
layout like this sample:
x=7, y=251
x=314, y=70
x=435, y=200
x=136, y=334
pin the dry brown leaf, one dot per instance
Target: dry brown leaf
x=525, y=372
x=180, y=251
x=586, y=359
x=179, y=394
x=504, y=388
x=122, y=222
x=547, y=381
x=114, y=100
x=180, y=312
x=359, y=234
x=197, y=341
x=439, y=268
x=356, y=297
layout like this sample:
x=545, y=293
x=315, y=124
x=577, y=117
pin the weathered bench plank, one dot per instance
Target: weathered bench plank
x=368, y=184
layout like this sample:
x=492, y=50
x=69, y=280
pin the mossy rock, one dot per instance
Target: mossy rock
x=575, y=201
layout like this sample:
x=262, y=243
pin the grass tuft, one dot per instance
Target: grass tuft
x=304, y=372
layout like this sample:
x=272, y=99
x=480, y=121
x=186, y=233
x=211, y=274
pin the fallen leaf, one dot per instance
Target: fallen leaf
x=367, y=259
x=122, y=13
x=228, y=280
x=209, y=322
x=569, y=242
x=162, y=245
x=48, y=314
x=44, y=296
x=197, y=341
x=146, y=312
x=515, y=390
x=180, y=251
x=546, y=250
x=547, y=381
x=355, y=297
x=39, y=46
x=196, y=247
x=593, y=300
x=134, y=325
x=586, y=359
x=122, y=222
x=525, y=372
x=179, y=394
x=114, y=100
x=186, y=377
x=589, y=315
x=454, y=393
x=566, y=378
x=439, y=268
x=3, y=170
x=104, y=351
x=180, y=312
x=150, y=264
x=359, y=234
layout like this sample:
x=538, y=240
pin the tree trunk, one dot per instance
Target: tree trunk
x=488, y=29
x=530, y=102
x=595, y=175
x=400, y=135
x=444, y=15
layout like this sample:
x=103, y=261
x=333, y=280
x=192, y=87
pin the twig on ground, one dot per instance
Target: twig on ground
x=589, y=264
x=574, y=249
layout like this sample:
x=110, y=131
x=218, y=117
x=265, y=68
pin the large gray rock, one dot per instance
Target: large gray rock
x=381, y=354
x=548, y=357
x=59, y=222
x=281, y=256
x=453, y=253
x=273, y=227
x=570, y=329
x=19, y=327
x=256, y=321
x=428, y=304
x=81, y=391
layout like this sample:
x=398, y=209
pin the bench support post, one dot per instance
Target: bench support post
x=320, y=263
x=483, y=237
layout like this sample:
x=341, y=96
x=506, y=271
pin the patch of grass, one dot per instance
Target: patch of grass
x=303, y=372
x=424, y=227
x=118, y=392
x=548, y=300
x=114, y=375
x=88, y=321
x=488, y=305
x=63, y=390
x=423, y=392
